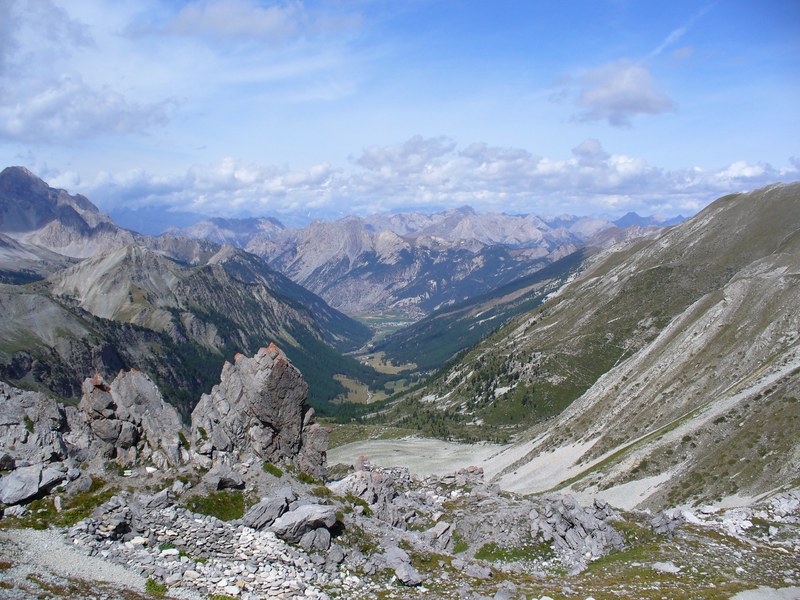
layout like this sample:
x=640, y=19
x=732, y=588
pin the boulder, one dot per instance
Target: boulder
x=477, y=571
x=160, y=500
x=258, y=409
x=317, y=539
x=265, y=512
x=666, y=523
x=223, y=478
x=400, y=562
x=293, y=525
x=440, y=537
x=21, y=484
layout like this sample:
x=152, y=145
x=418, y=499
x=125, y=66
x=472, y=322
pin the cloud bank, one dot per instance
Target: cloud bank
x=432, y=173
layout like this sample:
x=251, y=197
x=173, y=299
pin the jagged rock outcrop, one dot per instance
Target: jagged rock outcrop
x=133, y=422
x=258, y=411
x=378, y=487
x=578, y=534
x=41, y=444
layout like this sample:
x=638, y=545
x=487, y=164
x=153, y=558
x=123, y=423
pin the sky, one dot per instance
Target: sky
x=304, y=110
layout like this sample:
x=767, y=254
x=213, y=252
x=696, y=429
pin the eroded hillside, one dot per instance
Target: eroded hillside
x=666, y=372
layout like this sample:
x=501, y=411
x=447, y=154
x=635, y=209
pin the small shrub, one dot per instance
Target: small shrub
x=273, y=470
x=154, y=588
x=28, y=423
x=184, y=441
x=203, y=433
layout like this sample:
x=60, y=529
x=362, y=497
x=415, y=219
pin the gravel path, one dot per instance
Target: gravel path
x=46, y=554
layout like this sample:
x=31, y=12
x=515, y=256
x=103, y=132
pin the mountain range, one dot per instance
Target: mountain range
x=412, y=262
x=174, y=307
x=666, y=372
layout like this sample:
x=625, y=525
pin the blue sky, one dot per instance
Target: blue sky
x=318, y=109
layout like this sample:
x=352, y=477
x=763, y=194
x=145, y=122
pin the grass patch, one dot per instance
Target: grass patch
x=307, y=479
x=224, y=505
x=154, y=588
x=356, y=501
x=273, y=470
x=355, y=536
x=495, y=553
x=321, y=491
x=459, y=543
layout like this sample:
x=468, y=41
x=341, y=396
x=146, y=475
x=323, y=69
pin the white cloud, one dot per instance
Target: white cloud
x=44, y=97
x=619, y=91
x=73, y=71
x=237, y=19
x=68, y=110
x=434, y=173
x=409, y=157
x=741, y=170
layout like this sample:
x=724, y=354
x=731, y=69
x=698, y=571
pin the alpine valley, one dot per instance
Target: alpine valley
x=447, y=405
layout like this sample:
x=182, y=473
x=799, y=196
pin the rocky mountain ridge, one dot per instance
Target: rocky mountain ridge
x=411, y=262
x=202, y=301
x=666, y=373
